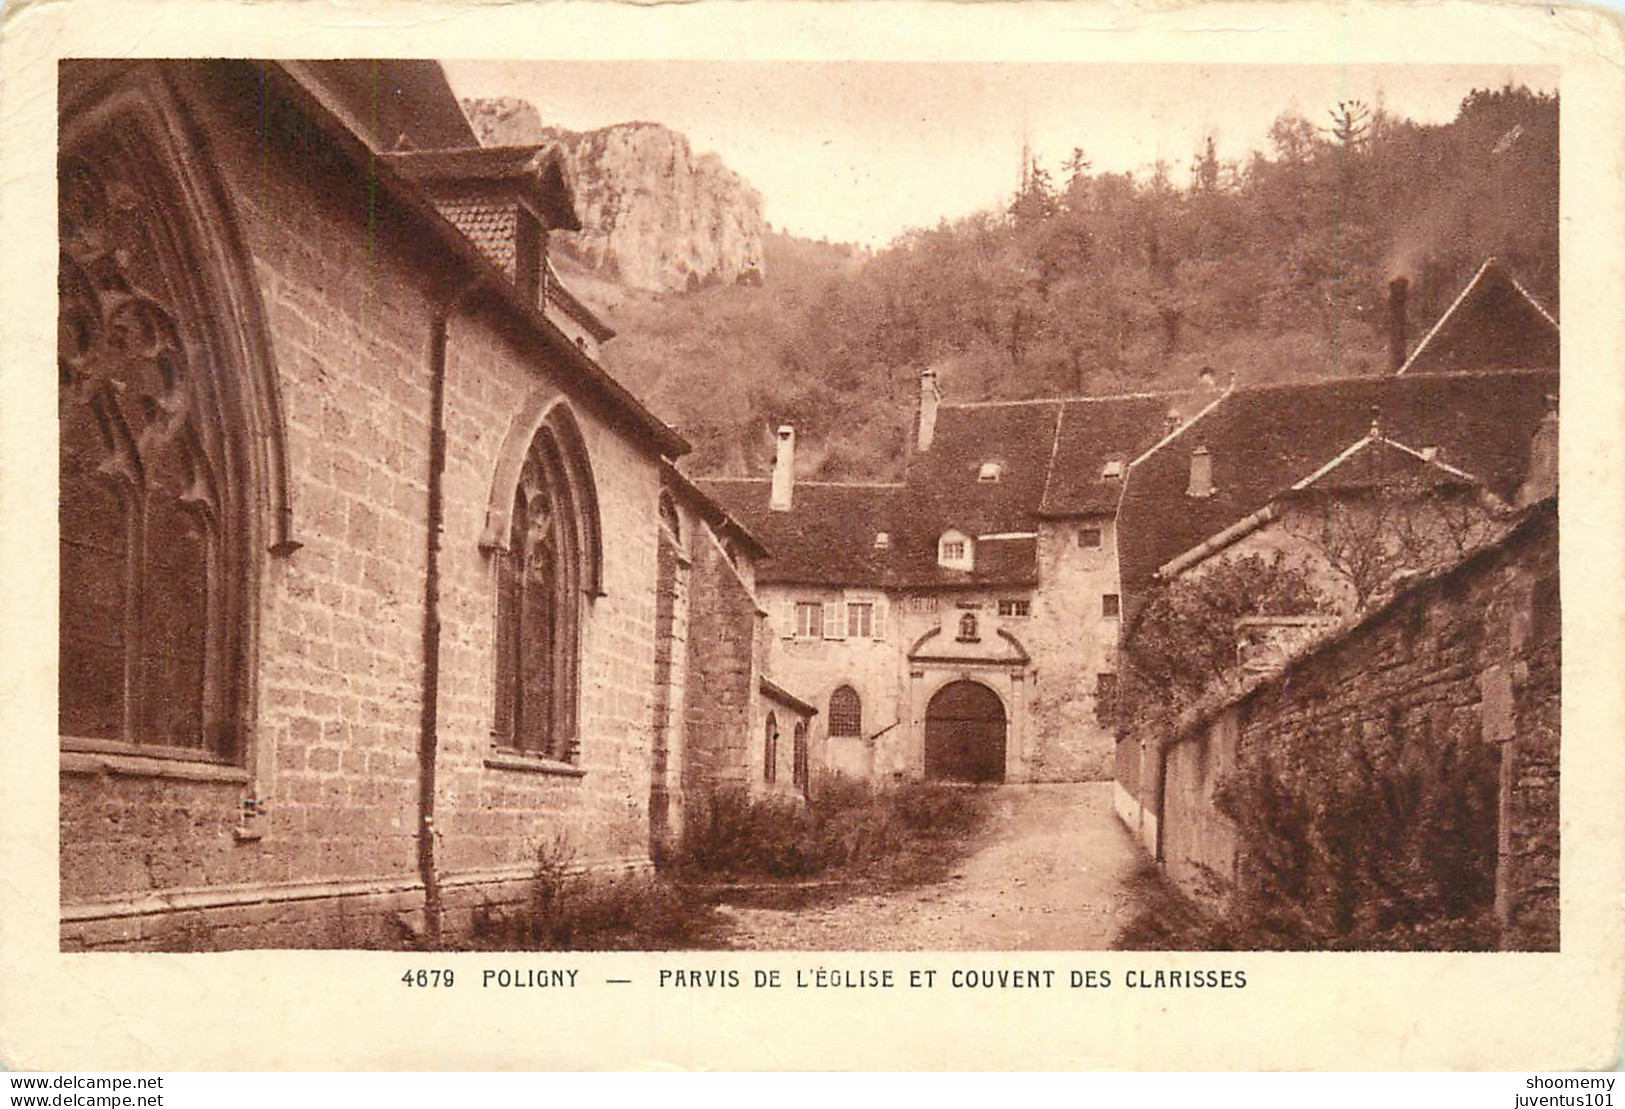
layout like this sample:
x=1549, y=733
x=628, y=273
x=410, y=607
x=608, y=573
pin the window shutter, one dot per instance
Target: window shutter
x=880, y=620
x=787, y=619
x=834, y=620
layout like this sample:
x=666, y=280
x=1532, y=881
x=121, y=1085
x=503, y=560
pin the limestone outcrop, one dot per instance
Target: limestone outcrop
x=654, y=215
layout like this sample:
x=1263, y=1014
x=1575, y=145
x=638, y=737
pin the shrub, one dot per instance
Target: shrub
x=573, y=911
x=1184, y=643
x=1168, y=920
x=733, y=834
x=933, y=808
x=847, y=824
x=1364, y=844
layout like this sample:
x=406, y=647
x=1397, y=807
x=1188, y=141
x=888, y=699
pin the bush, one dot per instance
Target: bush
x=1378, y=844
x=932, y=808
x=846, y=824
x=571, y=911
x=1168, y=920
x=732, y=834
x=1184, y=644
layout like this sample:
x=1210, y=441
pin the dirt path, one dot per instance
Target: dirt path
x=1047, y=877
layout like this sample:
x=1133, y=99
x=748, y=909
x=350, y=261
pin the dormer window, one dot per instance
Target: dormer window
x=954, y=551
x=968, y=631
x=1112, y=470
x=990, y=471
x=882, y=540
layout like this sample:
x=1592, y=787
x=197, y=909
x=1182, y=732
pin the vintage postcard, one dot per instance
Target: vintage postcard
x=1000, y=536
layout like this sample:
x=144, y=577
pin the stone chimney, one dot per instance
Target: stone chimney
x=930, y=397
x=784, y=466
x=1201, y=484
x=1540, y=480
x=1208, y=379
x=1397, y=322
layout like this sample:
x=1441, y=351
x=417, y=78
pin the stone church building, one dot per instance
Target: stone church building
x=374, y=584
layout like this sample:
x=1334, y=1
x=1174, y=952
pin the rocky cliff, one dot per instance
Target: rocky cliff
x=654, y=215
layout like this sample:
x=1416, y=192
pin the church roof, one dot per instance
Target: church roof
x=305, y=87
x=392, y=103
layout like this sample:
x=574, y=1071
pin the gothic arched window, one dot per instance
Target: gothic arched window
x=539, y=598
x=801, y=768
x=161, y=386
x=845, y=712
x=770, y=749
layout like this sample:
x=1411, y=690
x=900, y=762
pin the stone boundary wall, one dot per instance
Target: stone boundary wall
x=1474, y=654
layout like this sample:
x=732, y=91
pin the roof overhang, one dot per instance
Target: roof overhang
x=471, y=267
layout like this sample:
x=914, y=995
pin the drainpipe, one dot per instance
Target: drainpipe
x=1161, y=797
x=428, y=735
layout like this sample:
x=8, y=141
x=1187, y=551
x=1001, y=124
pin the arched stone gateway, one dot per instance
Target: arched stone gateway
x=965, y=734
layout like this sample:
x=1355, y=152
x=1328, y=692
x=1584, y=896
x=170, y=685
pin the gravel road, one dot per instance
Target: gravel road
x=1048, y=876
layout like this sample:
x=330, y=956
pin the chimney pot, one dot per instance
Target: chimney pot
x=1541, y=478
x=930, y=397
x=1397, y=322
x=1201, y=483
x=784, y=463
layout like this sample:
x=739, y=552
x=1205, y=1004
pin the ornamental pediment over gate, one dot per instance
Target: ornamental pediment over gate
x=969, y=638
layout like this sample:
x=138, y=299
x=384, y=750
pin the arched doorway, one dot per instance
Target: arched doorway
x=965, y=734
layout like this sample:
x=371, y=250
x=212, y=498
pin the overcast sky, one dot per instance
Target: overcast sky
x=860, y=151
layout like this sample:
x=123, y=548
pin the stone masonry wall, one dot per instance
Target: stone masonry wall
x=722, y=669
x=1072, y=643
x=1474, y=655
x=333, y=765
x=333, y=745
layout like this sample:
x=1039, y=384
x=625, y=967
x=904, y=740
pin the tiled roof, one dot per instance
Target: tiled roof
x=944, y=486
x=1094, y=432
x=489, y=224
x=532, y=175
x=1049, y=456
x=1494, y=323
x=828, y=536
x=1380, y=463
x=1264, y=440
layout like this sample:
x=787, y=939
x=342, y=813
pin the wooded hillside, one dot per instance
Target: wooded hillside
x=1273, y=269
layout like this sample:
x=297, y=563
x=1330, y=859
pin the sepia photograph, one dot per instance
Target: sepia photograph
x=639, y=506
x=996, y=536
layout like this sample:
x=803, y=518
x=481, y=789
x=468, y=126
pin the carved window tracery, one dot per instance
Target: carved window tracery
x=152, y=535
x=539, y=595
